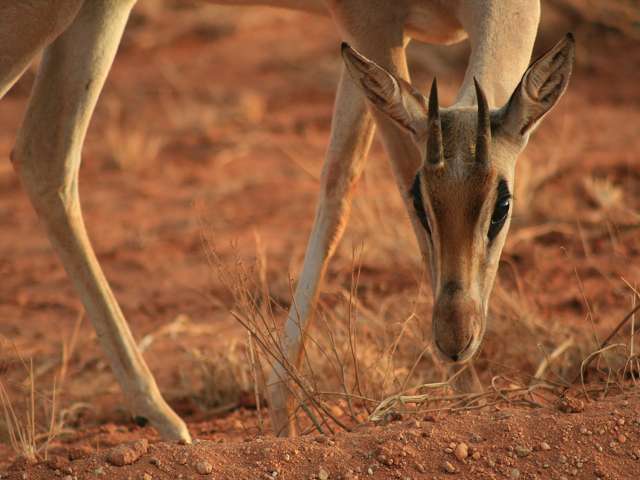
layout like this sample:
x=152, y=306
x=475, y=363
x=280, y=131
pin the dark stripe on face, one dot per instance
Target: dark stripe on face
x=418, y=203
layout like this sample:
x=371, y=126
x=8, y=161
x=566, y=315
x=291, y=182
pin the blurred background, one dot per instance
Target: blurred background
x=200, y=175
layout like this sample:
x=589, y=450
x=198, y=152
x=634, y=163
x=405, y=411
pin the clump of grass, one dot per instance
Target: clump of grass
x=29, y=437
x=225, y=376
x=131, y=145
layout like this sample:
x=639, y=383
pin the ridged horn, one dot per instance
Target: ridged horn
x=435, y=150
x=484, y=126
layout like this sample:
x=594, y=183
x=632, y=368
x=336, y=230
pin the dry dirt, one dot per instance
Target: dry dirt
x=212, y=125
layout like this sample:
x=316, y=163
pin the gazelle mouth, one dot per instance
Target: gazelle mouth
x=462, y=356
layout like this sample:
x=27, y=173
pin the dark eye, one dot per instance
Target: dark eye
x=500, y=211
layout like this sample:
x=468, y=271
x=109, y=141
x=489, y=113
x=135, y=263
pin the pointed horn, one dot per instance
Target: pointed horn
x=484, y=126
x=435, y=150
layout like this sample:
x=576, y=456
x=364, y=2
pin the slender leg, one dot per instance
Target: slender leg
x=379, y=35
x=47, y=158
x=351, y=134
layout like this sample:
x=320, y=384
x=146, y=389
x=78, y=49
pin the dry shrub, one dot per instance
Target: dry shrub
x=30, y=419
x=132, y=146
x=368, y=352
x=223, y=379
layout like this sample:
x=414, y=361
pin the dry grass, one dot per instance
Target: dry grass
x=369, y=355
x=31, y=421
x=132, y=145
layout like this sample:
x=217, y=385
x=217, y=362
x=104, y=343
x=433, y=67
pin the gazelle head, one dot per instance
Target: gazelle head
x=462, y=194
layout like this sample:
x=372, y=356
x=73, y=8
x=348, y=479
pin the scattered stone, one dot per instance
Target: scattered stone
x=476, y=455
x=181, y=457
x=570, y=405
x=449, y=468
x=420, y=468
x=522, y=451
x=56, y=462
x=203, y=467
x=622, y=438
x=147, y=476
x=98, y=471
x=545, y=446
x=461, y=451
x=514, y=473
x=127, y=454
x=323, y=474
x=369, y=471
x=77, y=453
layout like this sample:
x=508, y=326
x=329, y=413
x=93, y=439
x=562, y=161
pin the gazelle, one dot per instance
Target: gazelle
x=454, y=166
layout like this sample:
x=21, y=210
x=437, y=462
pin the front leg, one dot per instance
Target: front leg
x=351, y=133
x=380, y=35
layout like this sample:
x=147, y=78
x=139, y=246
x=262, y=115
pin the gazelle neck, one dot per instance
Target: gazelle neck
x=501, y=44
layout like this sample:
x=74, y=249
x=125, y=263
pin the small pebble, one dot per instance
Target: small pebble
x=127, y=454
x=461, y=451
x=323, y=474
x=203, y=467
x=545, y=446
x=514, y=473
x=449, y=468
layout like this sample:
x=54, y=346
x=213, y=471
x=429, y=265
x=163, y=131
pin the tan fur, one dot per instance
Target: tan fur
x=80, y=39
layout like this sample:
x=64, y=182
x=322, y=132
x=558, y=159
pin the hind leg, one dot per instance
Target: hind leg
x=47, y=158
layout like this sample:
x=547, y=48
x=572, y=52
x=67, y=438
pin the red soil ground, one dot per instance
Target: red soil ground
x=218, y=126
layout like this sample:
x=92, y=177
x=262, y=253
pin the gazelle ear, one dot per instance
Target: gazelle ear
x=393, y=96
x=541, y=87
